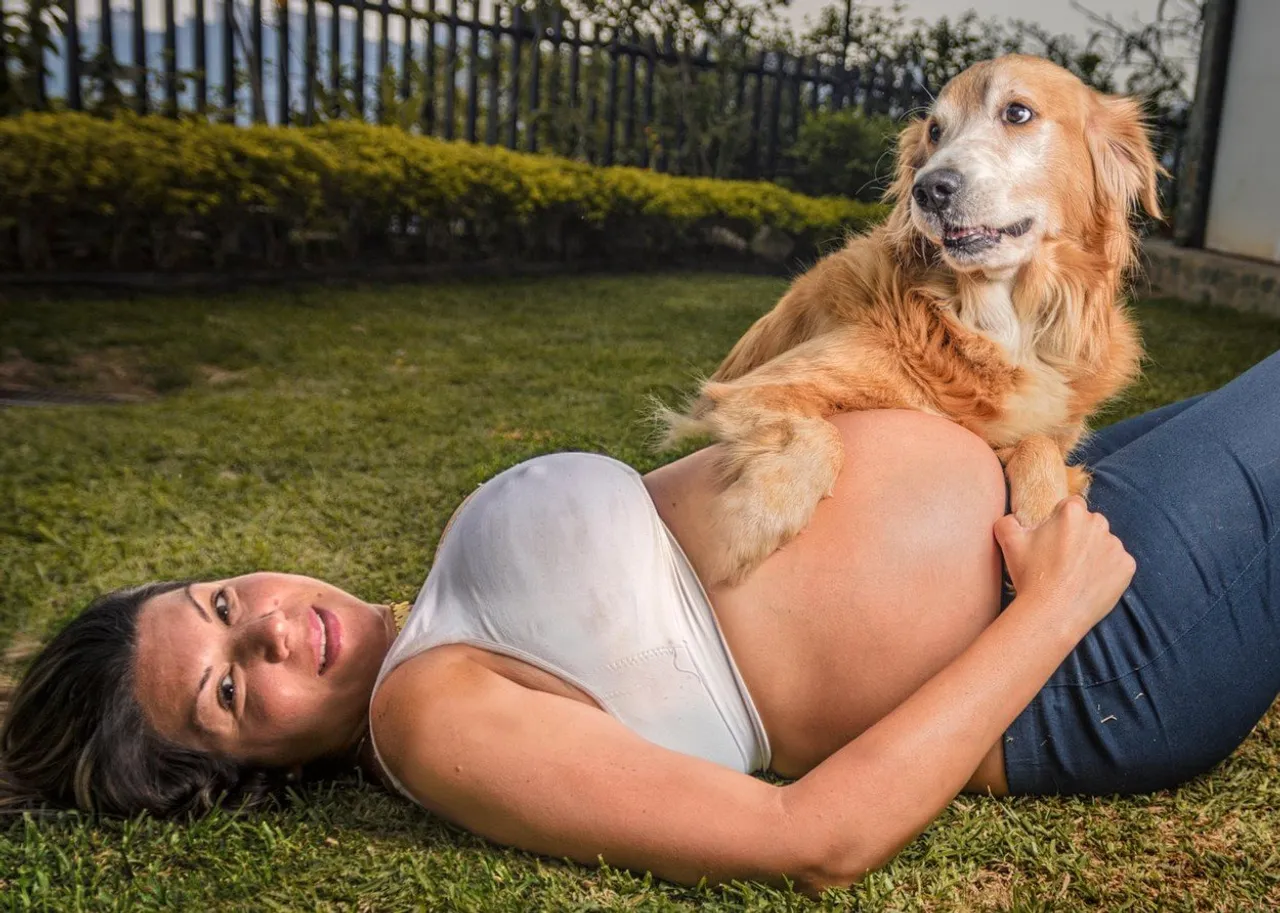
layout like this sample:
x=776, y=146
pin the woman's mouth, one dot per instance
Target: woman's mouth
x=329, y=647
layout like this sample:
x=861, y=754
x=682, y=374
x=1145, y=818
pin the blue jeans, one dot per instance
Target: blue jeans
x=1174, y=679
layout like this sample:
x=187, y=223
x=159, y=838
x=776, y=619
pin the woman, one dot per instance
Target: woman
x=565, y=685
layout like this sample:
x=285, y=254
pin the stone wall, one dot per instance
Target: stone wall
x=1210, y=278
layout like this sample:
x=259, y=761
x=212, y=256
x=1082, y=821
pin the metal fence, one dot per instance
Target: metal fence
x=512, y=78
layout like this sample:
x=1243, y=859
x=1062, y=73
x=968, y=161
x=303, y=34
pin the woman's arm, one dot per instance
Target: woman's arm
x=1069, y=573
x=871, y=798
x=555, y=776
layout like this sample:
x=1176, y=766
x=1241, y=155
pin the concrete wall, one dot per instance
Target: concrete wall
x=1244, y=203
x=1208, y=278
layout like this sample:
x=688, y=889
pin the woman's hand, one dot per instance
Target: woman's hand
x=1072, y=560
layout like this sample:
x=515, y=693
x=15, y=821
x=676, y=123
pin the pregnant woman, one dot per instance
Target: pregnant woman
x=565, y=684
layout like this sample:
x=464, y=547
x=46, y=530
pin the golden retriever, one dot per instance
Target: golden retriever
x=991, y=295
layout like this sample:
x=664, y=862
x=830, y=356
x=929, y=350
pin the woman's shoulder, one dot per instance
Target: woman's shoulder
x=407, y=702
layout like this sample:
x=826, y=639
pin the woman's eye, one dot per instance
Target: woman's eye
x=227, y=692
x=1017, y=114
x=221, y=606
x=935, y=132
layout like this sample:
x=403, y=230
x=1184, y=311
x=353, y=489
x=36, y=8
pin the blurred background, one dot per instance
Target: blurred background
x=804, y=93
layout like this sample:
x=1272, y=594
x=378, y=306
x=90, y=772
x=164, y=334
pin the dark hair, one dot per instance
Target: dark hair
x=75, y=735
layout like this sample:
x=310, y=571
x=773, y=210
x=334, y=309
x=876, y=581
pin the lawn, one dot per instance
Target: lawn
x=330, y=431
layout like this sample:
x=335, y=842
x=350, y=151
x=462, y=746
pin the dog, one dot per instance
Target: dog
x=991, y=295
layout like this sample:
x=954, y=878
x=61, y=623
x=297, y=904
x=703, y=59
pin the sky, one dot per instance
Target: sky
x=1055, y=15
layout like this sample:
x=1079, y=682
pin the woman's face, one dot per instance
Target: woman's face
x=268, y=669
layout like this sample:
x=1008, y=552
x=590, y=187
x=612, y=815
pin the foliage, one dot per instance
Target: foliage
x=843, y=153
x=25, y=35
x=1151, y=60
x=81, y=191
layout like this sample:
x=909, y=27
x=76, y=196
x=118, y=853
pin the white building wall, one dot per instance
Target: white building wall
x=1244, y=202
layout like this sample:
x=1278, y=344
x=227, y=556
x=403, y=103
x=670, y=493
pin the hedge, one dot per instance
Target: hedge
x=84, y=193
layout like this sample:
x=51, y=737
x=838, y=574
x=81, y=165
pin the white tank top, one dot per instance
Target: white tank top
x=564, y=563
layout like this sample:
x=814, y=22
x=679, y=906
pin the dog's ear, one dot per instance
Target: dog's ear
x=911, y=156
x=1124, y=164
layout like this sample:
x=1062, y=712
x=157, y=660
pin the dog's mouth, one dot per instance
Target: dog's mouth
x=971, y=239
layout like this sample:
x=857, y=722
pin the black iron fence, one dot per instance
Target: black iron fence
x=511, y=78
x=711, y=106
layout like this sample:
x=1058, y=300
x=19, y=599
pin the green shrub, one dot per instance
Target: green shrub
x=78, y=192
x=843, y=153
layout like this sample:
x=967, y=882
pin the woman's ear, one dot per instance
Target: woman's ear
x=1124, y=164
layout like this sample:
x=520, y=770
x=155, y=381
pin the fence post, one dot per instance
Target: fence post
x=450, y=67
x=473, y=74
x=757, y=111
x=553, y=75
x=358, y=53
x=429, y=74
x=611, y=100
x=34, y=63
x=517, y=34
x=170, y=59
x=311, y=63
x=592, y=90
x=493, y=102
x=282, y=66
x=228, y=61
x=406, y=48
x=335, y=57
x=668, y=53
x=535, y=86
x=797, y=108
x=106, y=34
x=651, y=67
x=629, y=100
x=73, y=55
x=384, y=56
x=775, y=114
x=256, y=65
x=574, y=64
x=200, y=55
x=139, y=58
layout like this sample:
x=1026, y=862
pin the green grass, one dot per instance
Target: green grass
x=331, y=431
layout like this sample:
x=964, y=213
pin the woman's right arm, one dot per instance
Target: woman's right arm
x=555, y=776
x=872, y=797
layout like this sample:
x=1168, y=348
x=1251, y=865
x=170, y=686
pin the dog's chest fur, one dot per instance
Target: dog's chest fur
x=1038, y=400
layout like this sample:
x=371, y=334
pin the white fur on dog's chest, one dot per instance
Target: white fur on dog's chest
x=990, y=311
x=1039, y=404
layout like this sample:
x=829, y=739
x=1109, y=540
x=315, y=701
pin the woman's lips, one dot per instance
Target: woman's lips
x=331, y=641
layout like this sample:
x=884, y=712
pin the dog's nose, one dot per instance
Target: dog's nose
x=933, y=191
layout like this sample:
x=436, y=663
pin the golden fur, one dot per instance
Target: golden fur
x=1021, y=354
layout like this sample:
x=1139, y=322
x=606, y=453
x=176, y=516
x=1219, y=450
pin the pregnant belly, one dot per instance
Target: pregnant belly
x=895, y=576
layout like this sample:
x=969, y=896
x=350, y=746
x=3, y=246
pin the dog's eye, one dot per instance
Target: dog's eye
x=935, y=132
x=1018, y=114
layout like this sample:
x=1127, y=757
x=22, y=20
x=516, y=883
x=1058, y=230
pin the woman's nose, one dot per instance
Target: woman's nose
x=268, y=636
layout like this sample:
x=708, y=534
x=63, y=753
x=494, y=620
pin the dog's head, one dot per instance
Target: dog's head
x=1016, y=151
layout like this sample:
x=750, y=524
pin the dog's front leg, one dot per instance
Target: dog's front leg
x=778, y=455
x=1039, y=478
